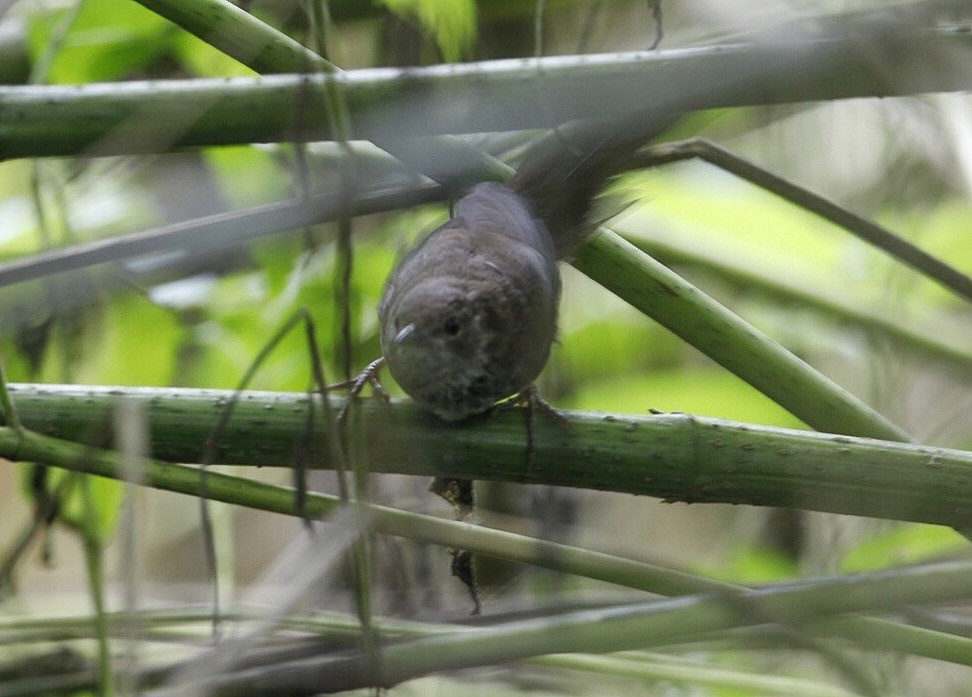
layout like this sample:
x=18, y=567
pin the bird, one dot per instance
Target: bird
x=468, y=317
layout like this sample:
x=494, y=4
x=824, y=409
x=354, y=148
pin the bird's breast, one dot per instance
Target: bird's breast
x=500, y=289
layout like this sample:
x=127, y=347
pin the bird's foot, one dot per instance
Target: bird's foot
x=368, y=376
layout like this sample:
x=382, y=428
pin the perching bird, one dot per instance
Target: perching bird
x=468, y=316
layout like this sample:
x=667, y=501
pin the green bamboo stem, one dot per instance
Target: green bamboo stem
x=455, y=534
x=138, y=117
x=710, y=327
x=237, y=33
x=664, y=296
x=675, y=457
x=661, y=667
x=279, y=499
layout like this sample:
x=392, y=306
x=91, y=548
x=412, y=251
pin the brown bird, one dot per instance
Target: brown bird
x=468, y=316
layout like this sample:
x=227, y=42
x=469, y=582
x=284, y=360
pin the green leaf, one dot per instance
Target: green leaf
x=906, y=544
x=249, y=175
x=206, y=61
x=137, y=345
x=452, y=23
x=738, y=216
x=108, y=40
x=753, y=565
x=106, y=500
x=942, y=231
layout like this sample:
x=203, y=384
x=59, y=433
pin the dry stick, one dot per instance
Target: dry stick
x=130, y=427
x=857, y=225
x=538, y=29
x=336, y=110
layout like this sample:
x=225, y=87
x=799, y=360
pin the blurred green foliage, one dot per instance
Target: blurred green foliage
x=904, y=544
x=750, y=564
x=106, y=41
x=452, y=23
x=110, y=40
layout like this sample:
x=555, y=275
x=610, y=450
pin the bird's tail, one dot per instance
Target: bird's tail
x=563, y=172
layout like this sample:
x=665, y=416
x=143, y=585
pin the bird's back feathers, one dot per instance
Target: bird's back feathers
x=562, y=173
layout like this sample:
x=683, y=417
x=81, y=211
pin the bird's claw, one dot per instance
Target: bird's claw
x=368, y=376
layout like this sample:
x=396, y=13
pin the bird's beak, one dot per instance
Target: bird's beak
x=404, y=332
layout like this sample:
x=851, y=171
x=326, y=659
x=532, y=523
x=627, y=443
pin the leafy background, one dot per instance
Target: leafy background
x=905, y=162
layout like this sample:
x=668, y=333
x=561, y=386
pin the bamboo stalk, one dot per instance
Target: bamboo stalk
x=156, y=116
x=675, y=457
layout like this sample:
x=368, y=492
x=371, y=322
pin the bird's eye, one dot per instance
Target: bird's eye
x=451, y=326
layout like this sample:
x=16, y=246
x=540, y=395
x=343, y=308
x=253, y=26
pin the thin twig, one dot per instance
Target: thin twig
x=859, y=226
x=538, y=29
x=654, y=7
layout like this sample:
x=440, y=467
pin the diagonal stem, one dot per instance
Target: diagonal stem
x=857, y=225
